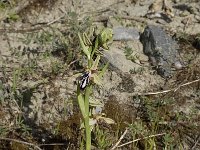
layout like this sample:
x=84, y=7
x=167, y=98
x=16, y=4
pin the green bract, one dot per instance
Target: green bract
x=105, y=36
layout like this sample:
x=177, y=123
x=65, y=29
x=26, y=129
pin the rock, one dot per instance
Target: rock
x=194, y=8
x=185, y=13
x=117, y=59
x=196, y=43
x=125, y=34
x=197, y=17
x=161, y=50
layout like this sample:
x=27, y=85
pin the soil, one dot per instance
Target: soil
x=40, y=61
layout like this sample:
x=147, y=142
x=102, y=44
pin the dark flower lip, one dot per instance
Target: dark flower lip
x=85, y=79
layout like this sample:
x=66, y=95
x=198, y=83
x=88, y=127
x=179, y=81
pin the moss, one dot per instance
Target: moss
x=18, y=146
x=70, y=128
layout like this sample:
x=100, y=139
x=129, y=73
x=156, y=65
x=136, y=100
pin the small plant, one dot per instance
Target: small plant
x=91, y=76
x=103, y=138
x=25, y=129
x=168, y=141
x=13, y=17
x=130, y=56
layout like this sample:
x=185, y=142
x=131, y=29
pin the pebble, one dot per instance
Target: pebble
x=197, y=17
x=125, y=34
x=178, y=65
x=184, y=13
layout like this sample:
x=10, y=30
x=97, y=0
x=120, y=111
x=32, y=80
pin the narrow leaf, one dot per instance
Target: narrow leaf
x=103, y=70
x=81, y=102
x=95, y=46
x=85, y=48
x=96, y=79
x=86, y=40
x=95, y=63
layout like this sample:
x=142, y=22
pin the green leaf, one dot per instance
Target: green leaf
x=85, y=48
x=103, y=70
x=95, y=63
x=81, y=102
x=13, y=16
x=90, y=50
x=105, y=36
x=96, y=79
x=95, y=47
x=86, y=40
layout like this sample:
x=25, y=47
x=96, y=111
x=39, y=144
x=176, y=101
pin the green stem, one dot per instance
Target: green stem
x=87, y=118
x=90, y=63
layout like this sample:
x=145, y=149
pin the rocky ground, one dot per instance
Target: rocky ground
x=40, y=58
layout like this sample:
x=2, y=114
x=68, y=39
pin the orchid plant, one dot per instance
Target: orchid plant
x=92, y=75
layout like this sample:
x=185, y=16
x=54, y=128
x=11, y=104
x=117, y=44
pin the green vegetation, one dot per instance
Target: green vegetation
x=44, y=103
x=91, y=50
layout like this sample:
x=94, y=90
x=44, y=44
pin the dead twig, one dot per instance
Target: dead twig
x=12, y=30
x=188, y=83
x=22, y=142
x=35, y=27
x=196, y=143
x=52, y=144
x=73, y=62
x=141, y=139
x=174, y=89
x=155, y=93
x=116, y=145
x=56, y=20
x=31, y=29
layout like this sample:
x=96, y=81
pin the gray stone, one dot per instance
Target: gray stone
x=125, y=34
x=161, y=50
x=117, y=59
